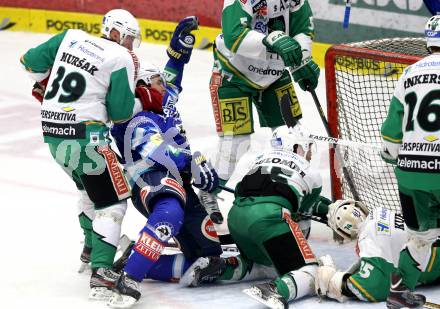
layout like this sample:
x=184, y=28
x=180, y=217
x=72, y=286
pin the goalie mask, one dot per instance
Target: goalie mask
x=346, y=216
x=125, y=23
x=294, y=140
x=432, y=32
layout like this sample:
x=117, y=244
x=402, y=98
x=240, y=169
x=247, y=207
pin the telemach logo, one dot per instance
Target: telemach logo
x=6, y=24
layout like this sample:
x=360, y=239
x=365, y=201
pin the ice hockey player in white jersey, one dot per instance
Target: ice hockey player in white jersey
x=259, y=39
x=90, y=84
x=265, y=223
x=379, y=241
x=411, y=139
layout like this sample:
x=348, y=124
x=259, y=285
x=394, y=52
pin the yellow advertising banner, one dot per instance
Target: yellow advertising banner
x=153, y=31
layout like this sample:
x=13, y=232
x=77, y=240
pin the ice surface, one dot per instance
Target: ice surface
x=40, y=232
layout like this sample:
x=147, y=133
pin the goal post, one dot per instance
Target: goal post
x=360, y=82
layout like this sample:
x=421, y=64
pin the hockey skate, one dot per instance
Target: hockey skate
x=102, y=282
x=401, y=297
x=85, y=259
x=203, y=270
x=209, y=202
x=126, y=292
x=267, y=294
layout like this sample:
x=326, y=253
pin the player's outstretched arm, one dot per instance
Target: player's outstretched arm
x=180, y=49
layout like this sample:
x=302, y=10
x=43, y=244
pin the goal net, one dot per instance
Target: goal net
x=360, y=81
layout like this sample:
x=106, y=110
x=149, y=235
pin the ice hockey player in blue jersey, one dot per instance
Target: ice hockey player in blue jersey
x=162, y=171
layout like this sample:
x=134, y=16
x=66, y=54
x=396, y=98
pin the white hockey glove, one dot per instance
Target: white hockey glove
x=325, y=272
x=389, y=152
x=328, y=281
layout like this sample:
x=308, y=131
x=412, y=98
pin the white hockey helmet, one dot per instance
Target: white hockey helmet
x=125, y=23
x=147, y=72
x=346, y=216
x=432, y=32
x=294, y=140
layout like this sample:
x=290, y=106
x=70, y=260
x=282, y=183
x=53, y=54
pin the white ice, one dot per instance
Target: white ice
x=39, y=227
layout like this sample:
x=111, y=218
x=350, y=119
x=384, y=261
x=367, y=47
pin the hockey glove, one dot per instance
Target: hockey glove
x=182, y=42
x=389, y=152
x=205, y=176
x=307, y=75
x=285, y=46
x=39, y=88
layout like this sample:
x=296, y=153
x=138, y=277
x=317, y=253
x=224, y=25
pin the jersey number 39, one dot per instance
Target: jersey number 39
x=73, y=86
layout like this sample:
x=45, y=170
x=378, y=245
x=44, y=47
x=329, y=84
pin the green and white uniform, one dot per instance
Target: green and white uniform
x=246, y=74
x=381, y=237
x=91, y=85
x=262, y=220
x=240, y=53
x=414, y=122
x=413, y=126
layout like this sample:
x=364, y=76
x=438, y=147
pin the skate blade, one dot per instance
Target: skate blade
x=189, y=277
x=121, y=301
x=100, y=294
x=430, y=305
x=270, y=302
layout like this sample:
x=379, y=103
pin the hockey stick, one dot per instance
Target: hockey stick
x=345, y=171
x=291, y=122
x=302, y=215
x=344, y=142
x=227, y=189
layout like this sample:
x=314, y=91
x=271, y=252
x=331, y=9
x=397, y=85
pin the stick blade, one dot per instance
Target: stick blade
x=286, y=111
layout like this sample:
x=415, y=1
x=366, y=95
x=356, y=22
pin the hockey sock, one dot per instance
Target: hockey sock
x=236, y=268
x=298, y=283
x=169, y=268
x=86, y=225
x=106, y=233
x=409, y=270
x=164, y=222
x=86, y=214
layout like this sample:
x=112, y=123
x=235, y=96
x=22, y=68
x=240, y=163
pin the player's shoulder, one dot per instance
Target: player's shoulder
x=295, y=5
x=430, y=62
x=313, y=178
x=245, y=5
